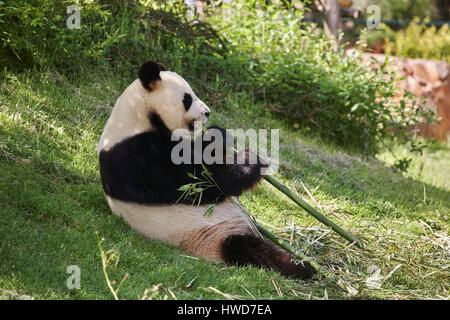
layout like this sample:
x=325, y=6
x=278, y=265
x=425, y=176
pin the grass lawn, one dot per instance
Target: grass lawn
x=53, y=214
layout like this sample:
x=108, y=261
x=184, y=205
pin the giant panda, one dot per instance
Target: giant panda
x=141, y=183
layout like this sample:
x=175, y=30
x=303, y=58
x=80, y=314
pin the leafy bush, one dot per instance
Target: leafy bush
x=35, y=33
x=296, y=72
x=112, y=32
x=420, y=41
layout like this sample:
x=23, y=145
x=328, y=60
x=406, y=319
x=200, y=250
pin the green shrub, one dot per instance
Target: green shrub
x=296, y=72
x=112, y=32
x=35, y=33
x=420, y=41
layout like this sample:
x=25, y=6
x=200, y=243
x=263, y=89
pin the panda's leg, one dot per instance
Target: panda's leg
x=247, y=249
x=235, y=245
x=232, y=241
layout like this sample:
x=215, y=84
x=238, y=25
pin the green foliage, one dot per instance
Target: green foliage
x=193, y=191
x=295, y=71
x=35, y=33
x=420, y=41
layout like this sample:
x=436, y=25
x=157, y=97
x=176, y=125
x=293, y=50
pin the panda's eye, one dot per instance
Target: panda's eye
x=187, y=101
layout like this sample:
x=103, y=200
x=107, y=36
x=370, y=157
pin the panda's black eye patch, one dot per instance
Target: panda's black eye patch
x=187, y=101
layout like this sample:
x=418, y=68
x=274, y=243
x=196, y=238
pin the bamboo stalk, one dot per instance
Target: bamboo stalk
x=312, y=211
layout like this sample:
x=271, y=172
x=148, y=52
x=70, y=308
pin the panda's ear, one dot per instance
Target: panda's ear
x=149, y=73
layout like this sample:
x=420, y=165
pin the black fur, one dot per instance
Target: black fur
x=140, y=170
x=251, y=250
x=187, y=101
x=149, y=73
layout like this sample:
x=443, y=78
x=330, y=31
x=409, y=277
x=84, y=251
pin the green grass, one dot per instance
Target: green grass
x=52, y=210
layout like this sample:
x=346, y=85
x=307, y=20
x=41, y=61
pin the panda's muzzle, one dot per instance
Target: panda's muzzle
x=199, y=111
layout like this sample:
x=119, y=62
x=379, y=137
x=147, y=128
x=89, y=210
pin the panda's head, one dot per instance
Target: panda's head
x=171, y=97
x=155, y=92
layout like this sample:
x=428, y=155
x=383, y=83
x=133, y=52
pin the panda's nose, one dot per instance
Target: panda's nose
x=204, y=109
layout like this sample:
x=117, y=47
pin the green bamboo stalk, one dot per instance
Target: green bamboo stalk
x=316, y=214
